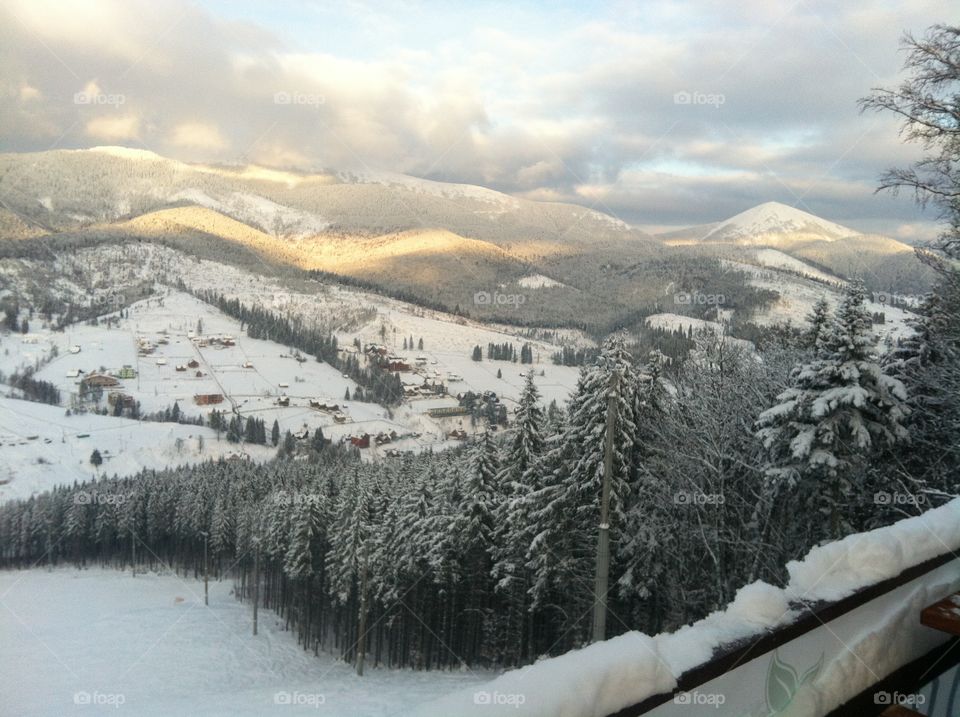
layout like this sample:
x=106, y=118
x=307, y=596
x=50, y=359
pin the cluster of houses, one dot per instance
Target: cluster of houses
x=191, y=365
x=338, y=415
x=429, y=387
x=92, y=382
x=219, y=341
x=364, y=439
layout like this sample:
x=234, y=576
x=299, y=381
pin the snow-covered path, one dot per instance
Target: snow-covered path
x=102, y=642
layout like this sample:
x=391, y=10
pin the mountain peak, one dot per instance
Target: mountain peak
x=759, y=223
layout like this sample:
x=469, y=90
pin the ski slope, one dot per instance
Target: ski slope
x=100, y=641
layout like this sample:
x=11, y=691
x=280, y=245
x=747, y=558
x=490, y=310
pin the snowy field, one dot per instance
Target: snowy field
x=102, y=642
x=254, y=374
x=40, y=447
x=351, y=314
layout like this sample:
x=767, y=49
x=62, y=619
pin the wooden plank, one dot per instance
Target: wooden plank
x=943, y=615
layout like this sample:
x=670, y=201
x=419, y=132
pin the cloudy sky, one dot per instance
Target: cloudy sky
x=661, y=113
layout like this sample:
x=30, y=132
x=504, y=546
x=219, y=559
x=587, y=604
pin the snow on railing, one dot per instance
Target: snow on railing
x=769, y=651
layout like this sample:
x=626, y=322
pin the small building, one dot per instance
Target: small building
x=283, y=401
x=161, y=362
x=246, y=364
x=193, y=363
x=126, y=372
x=180, y=367
x=302, y=434
x=284, y=385
x=74, y=373
x=458, y=435
x=339, y=417
x=125, y=400
x=447, y=411
x=360, y=441
x=206, y=399
x=73, y=349
x=99, y=380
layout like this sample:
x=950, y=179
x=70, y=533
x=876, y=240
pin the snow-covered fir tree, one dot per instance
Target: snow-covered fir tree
x=838, y=408
x=565, y=510
x=819, y=320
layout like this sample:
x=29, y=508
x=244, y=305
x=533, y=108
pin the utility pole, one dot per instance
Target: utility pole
x=603, y=541
x=256, y=582
x=206, y=586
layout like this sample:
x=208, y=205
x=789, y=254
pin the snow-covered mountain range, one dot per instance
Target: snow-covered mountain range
x=431, y=241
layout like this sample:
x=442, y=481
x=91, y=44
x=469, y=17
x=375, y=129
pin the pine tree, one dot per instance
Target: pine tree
x=518, y=479
x=318, y=442
x=565, y=511
x=305, y=534
x=819, y=319
x=837, y=410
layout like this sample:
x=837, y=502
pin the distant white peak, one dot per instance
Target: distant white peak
x=427, y=186
x=127, y=152
x=776, y=218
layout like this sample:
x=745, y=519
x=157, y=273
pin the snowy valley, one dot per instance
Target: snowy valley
x=382, y=359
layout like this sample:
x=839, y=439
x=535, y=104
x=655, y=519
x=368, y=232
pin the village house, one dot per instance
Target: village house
x=125, y=400
x=360, y=441
x=126, y=372
x=99, y=380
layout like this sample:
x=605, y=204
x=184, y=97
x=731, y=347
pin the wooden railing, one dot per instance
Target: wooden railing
x=943, y=616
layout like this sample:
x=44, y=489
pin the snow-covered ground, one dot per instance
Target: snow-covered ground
x=41, y=447
x=538, y=281
x=780, y=260
x=103, y=642
x=168, y=320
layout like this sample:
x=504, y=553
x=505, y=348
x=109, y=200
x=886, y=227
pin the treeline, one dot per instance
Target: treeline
x=33, y=389
x=504, y=352
x=570, y=356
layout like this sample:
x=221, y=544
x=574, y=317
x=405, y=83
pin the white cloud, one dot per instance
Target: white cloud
x=198, y=135
x=114, y=128
x=545, y=102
